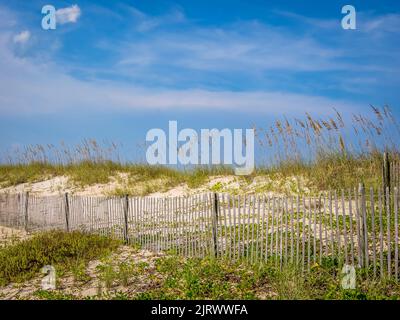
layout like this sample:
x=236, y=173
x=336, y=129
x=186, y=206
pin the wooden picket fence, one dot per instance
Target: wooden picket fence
x=355, y=227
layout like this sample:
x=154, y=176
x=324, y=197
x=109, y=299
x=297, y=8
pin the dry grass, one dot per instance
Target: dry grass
x=332, y=153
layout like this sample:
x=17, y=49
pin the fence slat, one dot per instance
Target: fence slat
x=309, y=229
x=281, y=215
x=389, y=262
x=304, y=234
x=351, y=227
x=382, y=268
x=396, y=235
x=263, y=230
x=215, y=225
x=339, y=247
x=373, y=229
x=273, y=226
x=26, y=212
x=364, y=224
x=320, y=229
x=344, y=229
x=258, y=228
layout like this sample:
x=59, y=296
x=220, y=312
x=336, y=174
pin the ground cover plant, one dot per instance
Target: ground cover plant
x=23, y=260
x=173, y=277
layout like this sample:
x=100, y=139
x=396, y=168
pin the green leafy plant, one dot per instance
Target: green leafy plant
x=23, y=260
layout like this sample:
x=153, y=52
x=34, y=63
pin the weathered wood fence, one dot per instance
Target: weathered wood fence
x=395, y=174
x=357, y=227
x=390, y=171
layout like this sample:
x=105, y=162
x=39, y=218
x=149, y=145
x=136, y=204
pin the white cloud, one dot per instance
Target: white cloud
x=145, y=22
x=383, y=23
x=47, y=89
x=68, y=15
x=22, y=37
x=246, y=47
x=332, y=24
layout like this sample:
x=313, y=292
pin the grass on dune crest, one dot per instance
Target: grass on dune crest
x=334, y=152
x=333, y=171
x=89, y=173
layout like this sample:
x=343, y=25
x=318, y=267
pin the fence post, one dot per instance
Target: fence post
x=215, y=224
x=386, y=171
x=26, y=211
x=67, y=211
x=363, y=223
x=126, y=208
x=21, y=218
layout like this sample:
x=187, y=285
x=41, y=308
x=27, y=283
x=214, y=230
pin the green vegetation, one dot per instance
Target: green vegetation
x=335, y=152
x=332, y=172
x=89, y=173
x=220, y=279
x=22, y=261
x=174, y=277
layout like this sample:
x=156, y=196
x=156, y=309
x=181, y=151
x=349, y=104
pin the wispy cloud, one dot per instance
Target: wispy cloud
x=146, y=22
x=196, y=67
x=22, y=37
x=384, y=23
x=47, y=89
x=246, y=46
x=330, y=24
x=68, y=15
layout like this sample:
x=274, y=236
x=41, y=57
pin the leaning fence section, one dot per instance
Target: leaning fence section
x=356, y=227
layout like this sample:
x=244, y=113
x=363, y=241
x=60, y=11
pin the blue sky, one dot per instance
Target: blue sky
x=114, y=69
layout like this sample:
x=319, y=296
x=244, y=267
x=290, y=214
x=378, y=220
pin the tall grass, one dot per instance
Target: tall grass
x=333, y=152
x=311, y=139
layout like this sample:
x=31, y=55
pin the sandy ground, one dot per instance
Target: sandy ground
x=228, y=184
x=93, y=285
x=62, y=184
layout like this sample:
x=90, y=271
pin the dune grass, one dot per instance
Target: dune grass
x=334, y=171
x=23, y=260
x=91, y=173
x=333, y=153
x=326, y=172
